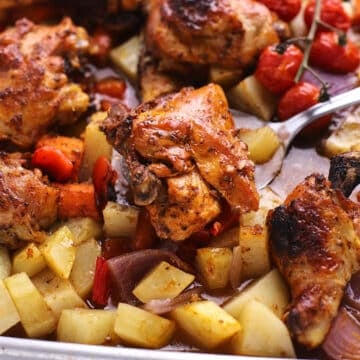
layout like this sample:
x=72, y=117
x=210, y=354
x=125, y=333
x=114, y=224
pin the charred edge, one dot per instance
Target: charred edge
x=344, y=172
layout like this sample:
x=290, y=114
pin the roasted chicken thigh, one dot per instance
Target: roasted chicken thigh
x=27, y=203
x=316, y=247
x=183, y=156
x=225, y=33
x=35, y=91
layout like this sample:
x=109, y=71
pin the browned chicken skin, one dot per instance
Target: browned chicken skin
x=316, y=247
x=34, y=89
x=178, y=147
x=27, y=203
x=225, y=33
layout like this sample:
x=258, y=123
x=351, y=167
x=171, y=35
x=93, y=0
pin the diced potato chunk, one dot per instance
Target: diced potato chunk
x=262, y=143
x=36, y=317
x=5, y=263
x=268, y=200
x=86, y=326
x=29, y=260
x=83, y=271
x=95, y=145
x=250, y=96
x=58, y=293
x=345, y=138
x=119, y=220
x=126, y=57
x=8, y=313
x=224, y=77
x=214, y=266
x=138, y=327
x=270, y=290
x=206, y=323
x=84, y=229
x=254, y=245
x=59, y=252
x=263, y=333
x=162, y=282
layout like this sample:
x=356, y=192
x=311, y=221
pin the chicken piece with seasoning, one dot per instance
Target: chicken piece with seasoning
x=183, y=157
x=27, y=202
x=316, y=247
x=35, y=92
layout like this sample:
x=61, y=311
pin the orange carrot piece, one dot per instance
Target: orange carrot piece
x=77, y=200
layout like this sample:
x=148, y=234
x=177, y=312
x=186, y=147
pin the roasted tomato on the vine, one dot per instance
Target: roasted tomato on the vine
x=277, y=67
x=332, y=13
x=300, y=97
x=328, y=53
x=285, y=9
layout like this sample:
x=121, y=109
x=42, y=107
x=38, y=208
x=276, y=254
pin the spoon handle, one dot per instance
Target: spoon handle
x=287, y=130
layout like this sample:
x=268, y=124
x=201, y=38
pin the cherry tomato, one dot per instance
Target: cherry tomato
x=53, y=162
x=327, y=53
x=111, y=87
x=277, y=70
x=101, y=41
x=299, y=98
x=332, y=13
x=285, y=9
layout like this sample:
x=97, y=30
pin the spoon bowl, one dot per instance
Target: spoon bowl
x=287, y=130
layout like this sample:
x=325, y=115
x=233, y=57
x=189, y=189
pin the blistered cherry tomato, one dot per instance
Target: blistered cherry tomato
x=111, y=87
x=300, y=97
x=332, y=13
x=285, y=9
x=327, y=53
x=53, y=162
x=276, y=69
x=101, y=41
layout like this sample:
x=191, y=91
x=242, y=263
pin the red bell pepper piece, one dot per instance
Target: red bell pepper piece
x=145, y=234
x=101, y=287
x=227, y=219
x=103, y=175
x=53, y=162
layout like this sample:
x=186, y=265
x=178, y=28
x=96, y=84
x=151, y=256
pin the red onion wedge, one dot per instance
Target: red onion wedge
x=128, y=269
x=235, y=268
x=163, y=306
x=343, y=340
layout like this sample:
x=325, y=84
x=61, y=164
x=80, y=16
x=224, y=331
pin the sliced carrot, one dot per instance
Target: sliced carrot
x=77, y=200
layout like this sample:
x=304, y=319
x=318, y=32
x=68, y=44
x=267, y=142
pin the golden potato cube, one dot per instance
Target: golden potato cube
x=162, y=282
x=29, y=260
x=138, y=327
x=58, y=293
x=36, y=317
x=95, y=145
x=214, y=266
x=206, y=323
x=268, y=200
x=9, y=316
x=5, y=263
x=126, y=57
x=250, y=96
x=345, y=138
x=254, y=245
x=83, y=271
x=224, y=77
x=262, y=143
x=86, y=326
x=263, y=333
x=59, y=252
x=84, y=229
x=119, y=220
x=270, y=290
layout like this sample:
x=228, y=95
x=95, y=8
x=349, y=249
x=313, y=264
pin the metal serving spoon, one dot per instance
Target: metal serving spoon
x=287, y=130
